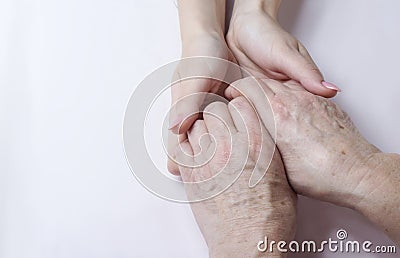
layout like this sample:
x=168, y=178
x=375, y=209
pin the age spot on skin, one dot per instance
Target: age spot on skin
x=343, y=152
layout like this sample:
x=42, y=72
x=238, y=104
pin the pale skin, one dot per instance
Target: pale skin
x=254, y=40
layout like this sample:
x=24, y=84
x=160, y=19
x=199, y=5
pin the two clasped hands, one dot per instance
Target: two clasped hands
x=319, y=154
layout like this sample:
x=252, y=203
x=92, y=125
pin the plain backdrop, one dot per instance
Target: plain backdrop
x=67, y=69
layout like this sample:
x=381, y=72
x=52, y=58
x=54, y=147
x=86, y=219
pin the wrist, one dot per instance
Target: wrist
x=201, y=33
x=381, y=181
x=270, y=7
x=381, y=201
x=201, y=18
x=371, y=183
x=351, y=190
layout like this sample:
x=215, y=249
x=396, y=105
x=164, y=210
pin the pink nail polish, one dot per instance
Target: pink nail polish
x=176, y=122
x=330, y=86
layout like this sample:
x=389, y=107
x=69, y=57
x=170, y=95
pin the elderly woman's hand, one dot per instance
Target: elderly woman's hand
x=324, y=154
x=234, y=221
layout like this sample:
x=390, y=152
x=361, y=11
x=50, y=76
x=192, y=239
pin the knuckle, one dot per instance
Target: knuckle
x=214, y=106
x=172, y=167
x=256, y=146
x=223, y=153
x=279, y=105
x=197, y=127
x=240, y=102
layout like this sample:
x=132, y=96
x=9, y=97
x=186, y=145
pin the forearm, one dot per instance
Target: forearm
x=198, y=17
x=269, y=6
x=381, y=203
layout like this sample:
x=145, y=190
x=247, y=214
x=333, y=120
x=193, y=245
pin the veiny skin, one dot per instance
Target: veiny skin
x=233, y=222
x=325, y=156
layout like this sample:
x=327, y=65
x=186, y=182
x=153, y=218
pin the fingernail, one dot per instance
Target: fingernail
x=176, y=122
x=330, y=86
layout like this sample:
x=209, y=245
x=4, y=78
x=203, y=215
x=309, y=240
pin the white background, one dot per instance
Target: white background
x=67, y=69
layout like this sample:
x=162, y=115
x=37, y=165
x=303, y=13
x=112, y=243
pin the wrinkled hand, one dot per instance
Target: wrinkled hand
x=325, y=156
x=261, y=46
x=234, y=221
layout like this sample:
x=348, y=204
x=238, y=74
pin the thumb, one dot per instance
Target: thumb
x=300, y=66
x=187, y=98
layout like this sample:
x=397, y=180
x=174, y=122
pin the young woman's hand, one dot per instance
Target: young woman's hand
x=266, y=50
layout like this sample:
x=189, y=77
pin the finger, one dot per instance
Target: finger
x=302, y=68
x=304, y=52
x=293, y=85
x=184, y=153
x=230, y=93
x=187, y=98
x=218, y=120
x=247, y=120
x=196, y=76
x=244, y=116
x=198, y=137
x=261, y=145
x=276, y=86
x=259, y=94
x=258, y=86
x=273, y=86
x=173, y=142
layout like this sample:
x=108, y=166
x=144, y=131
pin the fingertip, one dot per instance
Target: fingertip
x=184, y=125
x=319, y=88
x=228, y=93
x=176, y=122
x=232, y=91
x=184, y=154
x=173, y=168
x=305, y=71
x=187, y=123
x=331, y=86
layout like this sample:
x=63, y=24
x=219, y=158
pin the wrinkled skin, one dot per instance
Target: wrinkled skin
x=325, y=156
x=234, y=221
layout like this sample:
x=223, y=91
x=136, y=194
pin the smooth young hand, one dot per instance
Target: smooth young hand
x=266, y=50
